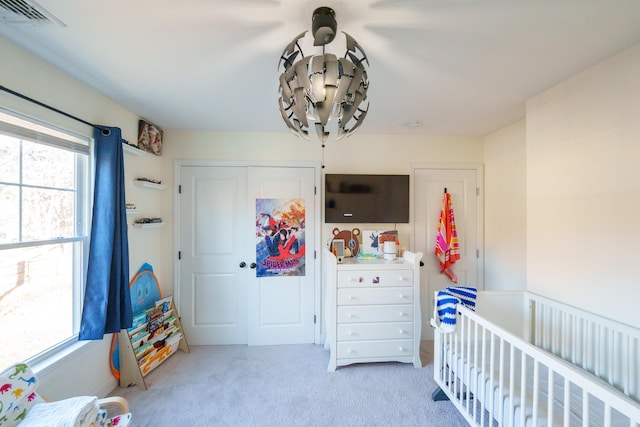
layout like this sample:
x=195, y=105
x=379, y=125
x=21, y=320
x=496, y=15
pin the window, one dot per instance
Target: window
x=44, y=228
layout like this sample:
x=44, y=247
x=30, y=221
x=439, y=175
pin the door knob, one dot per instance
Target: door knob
x=253, y=265
x=243, y=264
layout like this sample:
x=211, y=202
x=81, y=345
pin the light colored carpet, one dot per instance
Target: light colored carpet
x=286, y=385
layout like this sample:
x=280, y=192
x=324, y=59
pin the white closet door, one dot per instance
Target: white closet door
x=428, y=187
x=281, y=308
x=213, y=242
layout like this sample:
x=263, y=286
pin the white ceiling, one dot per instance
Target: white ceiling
x=459, y=67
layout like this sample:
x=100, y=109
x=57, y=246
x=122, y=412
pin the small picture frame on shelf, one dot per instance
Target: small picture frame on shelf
x=149, y=137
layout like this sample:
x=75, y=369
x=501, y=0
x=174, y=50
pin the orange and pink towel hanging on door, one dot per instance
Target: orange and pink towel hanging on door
x=447, y=245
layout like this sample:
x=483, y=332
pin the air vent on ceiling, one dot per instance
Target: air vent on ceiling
x=26, y=12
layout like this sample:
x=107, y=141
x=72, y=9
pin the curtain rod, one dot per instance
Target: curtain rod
x=26, y=98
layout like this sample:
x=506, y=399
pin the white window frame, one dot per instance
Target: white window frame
x=28, y=128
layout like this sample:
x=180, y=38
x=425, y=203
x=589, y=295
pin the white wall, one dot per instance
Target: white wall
x=505, y=208
x=583, y=189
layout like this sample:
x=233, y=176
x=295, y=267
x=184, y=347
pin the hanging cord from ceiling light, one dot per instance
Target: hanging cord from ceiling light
x=317, y=88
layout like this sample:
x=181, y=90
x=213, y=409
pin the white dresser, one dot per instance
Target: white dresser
x=373, y=310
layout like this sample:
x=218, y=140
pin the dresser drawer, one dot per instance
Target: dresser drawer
x=374, y=331
x=360, y=296
x=375, y=278
x=378, y=313
x=374, y=349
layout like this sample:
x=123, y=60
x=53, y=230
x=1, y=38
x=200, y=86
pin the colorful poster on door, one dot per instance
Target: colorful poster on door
x=280, y=241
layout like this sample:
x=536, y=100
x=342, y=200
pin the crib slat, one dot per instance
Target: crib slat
x=585, y=408
x=476, y=376
x=613, y=356
x=454, y=362
x=480, y=377
x=607, y=415
x=501, y=383
x=512, y=383
x=492, y=356
x=550, y=397
x=523, y=386
x=629, y=371
x=567, y=401
x=536, y=388
x=468, y=370
x=574, y=344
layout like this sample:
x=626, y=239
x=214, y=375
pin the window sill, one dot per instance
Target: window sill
x=47, y=362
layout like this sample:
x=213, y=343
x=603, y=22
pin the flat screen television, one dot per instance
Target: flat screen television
x=351, y=198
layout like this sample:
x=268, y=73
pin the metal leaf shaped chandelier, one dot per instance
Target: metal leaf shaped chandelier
x=323, y=90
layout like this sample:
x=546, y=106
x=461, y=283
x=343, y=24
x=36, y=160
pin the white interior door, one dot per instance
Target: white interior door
x=222, y=301
x=213, y=243
x=462, y=183
x=281, y=307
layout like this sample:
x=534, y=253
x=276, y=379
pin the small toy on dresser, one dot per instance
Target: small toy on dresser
x=350, y=238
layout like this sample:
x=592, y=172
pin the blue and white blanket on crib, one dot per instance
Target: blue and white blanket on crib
x=446, y=301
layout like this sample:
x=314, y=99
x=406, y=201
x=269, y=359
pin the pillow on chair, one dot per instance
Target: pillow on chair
x=17, y=394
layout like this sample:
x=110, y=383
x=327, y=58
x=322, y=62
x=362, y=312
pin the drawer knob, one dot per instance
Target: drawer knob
x=350, y=333
x=400, y=296
x=401, y=313
x=401, y=349
x=401, y=331
x=349, y=315
x=349, y=297
x=349, y=351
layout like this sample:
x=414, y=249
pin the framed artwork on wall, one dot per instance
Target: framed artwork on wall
x=149, y=137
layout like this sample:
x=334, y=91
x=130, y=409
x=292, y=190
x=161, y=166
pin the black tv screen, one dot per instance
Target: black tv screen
x=354, y=198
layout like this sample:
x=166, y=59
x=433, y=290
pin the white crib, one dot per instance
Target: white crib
x=525, y=360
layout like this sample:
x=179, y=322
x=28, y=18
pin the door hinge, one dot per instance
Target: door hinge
x=179, y=255
x=179, y=189
x=315, y=190
x=314, y=254
x=314, y=319
x=477, y=191
x=477, y=253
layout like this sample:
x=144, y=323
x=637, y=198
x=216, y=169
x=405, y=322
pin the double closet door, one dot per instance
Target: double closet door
x=222, y=300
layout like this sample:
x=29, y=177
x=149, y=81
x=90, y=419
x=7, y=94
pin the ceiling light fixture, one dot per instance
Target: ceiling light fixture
x=317, y=89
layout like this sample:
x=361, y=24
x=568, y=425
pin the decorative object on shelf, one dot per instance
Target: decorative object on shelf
x=149, y=137
x=153, y=181
x=148, y=220
x=351, y=240
x=149, y=183
x=317, y=89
